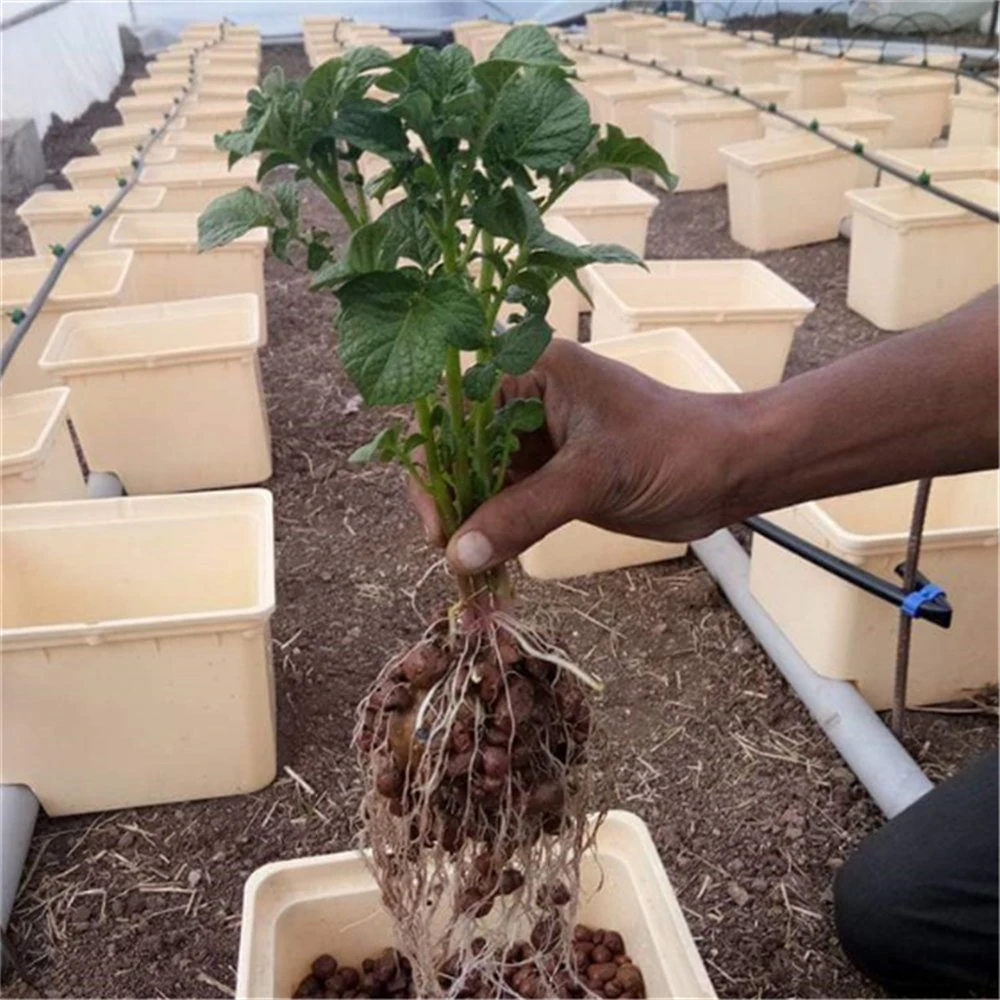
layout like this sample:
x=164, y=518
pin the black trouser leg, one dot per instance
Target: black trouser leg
x=916, y=906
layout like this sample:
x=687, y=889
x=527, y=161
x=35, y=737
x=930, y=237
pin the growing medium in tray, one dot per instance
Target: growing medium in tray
x=474, y=744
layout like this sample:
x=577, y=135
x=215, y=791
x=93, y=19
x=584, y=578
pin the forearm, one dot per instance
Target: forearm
x=923, y=404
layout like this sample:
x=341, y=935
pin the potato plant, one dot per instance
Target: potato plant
x=473, y=744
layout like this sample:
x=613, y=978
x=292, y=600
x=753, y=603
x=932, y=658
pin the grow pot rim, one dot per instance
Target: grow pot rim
x=787, y=300
x=807, y=65
x=935, y=159
x=914, y=83
x=56, y=399
x=633, y=197
x=77, y=323
x=71, y=201
x=88, y=166
x=930, y=209
x=710, y=109
x=42, y=265
x=201, y=173
x=858, y=546
x=202, y=506
x=982, y=102
x=844, y=116
x=136, y=132
x=638, y=89
x=185, y=226
x=791, y=151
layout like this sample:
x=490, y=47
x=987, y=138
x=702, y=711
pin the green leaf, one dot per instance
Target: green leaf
x=231, y=216
x=286, y=194
x=236, y=143
x=442, y=74
x=369, y=250
x=530, y=289
x=480, y=382
x=504, y=213
x=409, y=235
x=616, y=151
x=395, y=329
x=371, y=126
x=492, y=75
x=538, y=121
x=521, y=415
x=529, y=45
x=271, y=162
x=316, y=255
x=383, y=447
x=280, y=238
x=521, y=346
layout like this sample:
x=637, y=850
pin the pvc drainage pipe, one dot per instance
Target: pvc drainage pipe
x=891, y=776
x=18, y=811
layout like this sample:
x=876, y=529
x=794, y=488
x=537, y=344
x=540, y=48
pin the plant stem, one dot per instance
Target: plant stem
x=435, y=482
x=456, y=406
x=330, y=186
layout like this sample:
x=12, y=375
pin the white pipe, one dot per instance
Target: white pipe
x=891, y=775
x=18, y=810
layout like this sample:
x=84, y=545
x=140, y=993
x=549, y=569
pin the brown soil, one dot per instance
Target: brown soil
x=750, y=807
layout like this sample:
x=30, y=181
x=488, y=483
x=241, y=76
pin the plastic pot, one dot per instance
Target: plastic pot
x=918, y=105
x=667, y=43
x=845, y=633
x=53, y=217
x=670, y=356
x=634, y=34
x=916, y=257
x=628, y=104
x=167, y=396
x=170, y=86
x=592, y=75
x=601, y=25
x=214, y=116
x=763, y=92
x=194, y=147
x=609, y=211
x=168, y=266
x=689, y=135
x=973, y=120
x=103, y=171
x=295, y=910
x=565, y=302
x=945, y=163
x=815, y=81
x=870, y=127
x=136, y=110
x=192, y=187
x=740, y=312
x=710, y=52
x=37, y=459
x=127, y=137
x=145, y=675
x=90, y=280
x=214, y=90
x=753, y=64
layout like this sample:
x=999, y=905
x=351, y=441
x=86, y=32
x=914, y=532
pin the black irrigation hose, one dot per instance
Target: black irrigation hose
x=843, y=53
x=24, y=319
x=922, y=181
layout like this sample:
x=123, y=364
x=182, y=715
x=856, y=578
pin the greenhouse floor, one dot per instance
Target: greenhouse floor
x=750, y=807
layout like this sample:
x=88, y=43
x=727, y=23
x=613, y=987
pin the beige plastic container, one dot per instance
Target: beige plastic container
x=609, y=211
x=165, y=86
x=595, y=74
x=628, y=104
x=845, y=633
x=871, y=127
x=134, y=110
x=214, y=116
x=740, y=312
x=787, y=192
x=565, y=302
x=816, y=82
x=753, y=64
x=973, y=120
x=167, y=396
x=213, y=91
x=670, y=356
x=689, y=135
x=168, y=266
x=916, y=257
x=296, y=910
x=918, y=105
x=90, y=280
x=601, y=26
x=634, y=35
x=192, y=187
x=945, y=163
x=37, y=459
x=53, y=217
x=194, y=147
x=667, y=43
x=103, y=171
x=763, y=92
x=136, y=649
x=710, y=51
x=128, y=137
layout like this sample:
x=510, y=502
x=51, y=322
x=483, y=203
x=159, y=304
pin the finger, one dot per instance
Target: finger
x=426, y=509
x=522, y=514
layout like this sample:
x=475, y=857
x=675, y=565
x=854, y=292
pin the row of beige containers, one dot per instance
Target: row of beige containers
x=135, y=637
x=786, y=188
x=727, y=325
x=326, y=37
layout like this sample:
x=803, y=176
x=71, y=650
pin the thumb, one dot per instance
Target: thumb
x=521, y=515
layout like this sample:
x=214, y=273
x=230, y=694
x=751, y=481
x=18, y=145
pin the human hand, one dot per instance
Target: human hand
x=618, y=450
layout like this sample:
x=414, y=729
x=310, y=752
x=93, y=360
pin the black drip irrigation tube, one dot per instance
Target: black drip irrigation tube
x=922, y=180
x=23, y=319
